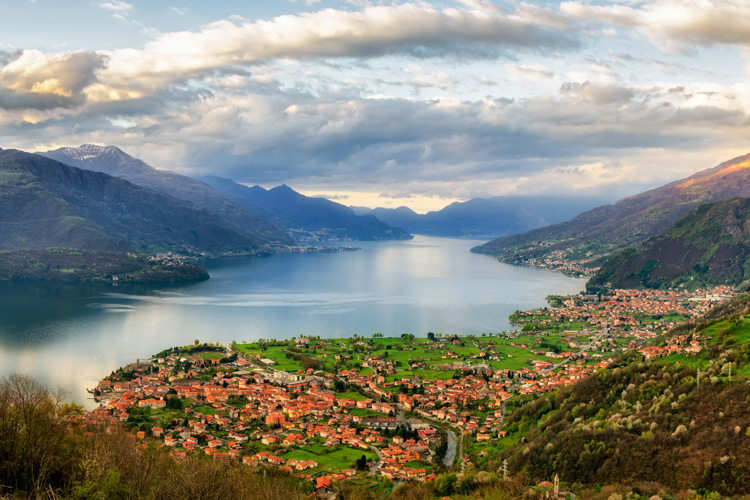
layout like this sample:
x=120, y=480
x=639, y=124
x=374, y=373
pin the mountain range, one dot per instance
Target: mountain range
x=485, y=217
x=305, y=218
x=45, y=203
x=589, y=238
x=271, y=213
x=115, y=162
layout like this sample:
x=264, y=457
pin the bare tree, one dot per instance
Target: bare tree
x=36, y=448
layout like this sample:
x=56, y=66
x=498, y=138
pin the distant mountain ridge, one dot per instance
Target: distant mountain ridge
x=598, y=233
x=485, y=217
x=113, y=161
x=709, y=246
x=283, y=209
x=45, y=203
x=306, y=218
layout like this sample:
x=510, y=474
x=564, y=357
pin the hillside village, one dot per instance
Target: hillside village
x=395, y=408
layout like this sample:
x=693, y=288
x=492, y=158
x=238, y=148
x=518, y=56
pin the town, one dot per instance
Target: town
x=374, y=409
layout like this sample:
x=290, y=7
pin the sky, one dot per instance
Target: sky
x=387, y=103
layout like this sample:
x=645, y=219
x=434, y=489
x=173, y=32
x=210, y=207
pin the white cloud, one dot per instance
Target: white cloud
x=410, y=29
x=116, y=6
x=675, y=23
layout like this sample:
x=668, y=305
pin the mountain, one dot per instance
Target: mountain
x=709, y=246
x=311, y=219
x=45, y=203
x=593, y=235
x=484, y=217
x=113, y=161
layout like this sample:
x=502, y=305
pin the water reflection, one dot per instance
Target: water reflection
x=72, y=335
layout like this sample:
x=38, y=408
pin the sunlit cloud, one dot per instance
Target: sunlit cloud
x=674, y=23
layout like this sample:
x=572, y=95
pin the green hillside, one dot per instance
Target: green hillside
x=709, y=246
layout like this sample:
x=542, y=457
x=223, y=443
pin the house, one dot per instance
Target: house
x=322, y=485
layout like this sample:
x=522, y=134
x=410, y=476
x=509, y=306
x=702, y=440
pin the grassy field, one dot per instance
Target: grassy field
x=426, y=374
x=209, y=355
x=367, y=413
x=276, y=353
x=350, y=395
x=206, y=410
x=511, y=351
x=334, y=460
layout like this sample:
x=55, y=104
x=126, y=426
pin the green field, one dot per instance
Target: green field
x=426, y=374
x=350, y=395
x=367, y=413
x=334, y=460
x=401, y=350
x=206, y=410
x=276, y=353
x=209, y=355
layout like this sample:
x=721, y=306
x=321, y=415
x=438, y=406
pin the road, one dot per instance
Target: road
x=450, y=454
x=375, y=468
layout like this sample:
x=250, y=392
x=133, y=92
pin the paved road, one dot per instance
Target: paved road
x=375, y=468
x=450, y=455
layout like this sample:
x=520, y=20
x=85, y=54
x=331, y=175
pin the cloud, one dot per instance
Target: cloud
x=180, y=11
x=416, y=30
x=116, y=6
x=396, y=196
x=600, y=94
x=342, y=197
x=446, y=147
x=35, y=80
x=674, y=23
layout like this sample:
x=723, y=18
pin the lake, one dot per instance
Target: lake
x=70, y=336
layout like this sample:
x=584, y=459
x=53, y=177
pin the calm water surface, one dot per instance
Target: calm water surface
x=71, y=336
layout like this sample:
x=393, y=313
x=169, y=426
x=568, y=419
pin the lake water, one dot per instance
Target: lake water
x=72, y=335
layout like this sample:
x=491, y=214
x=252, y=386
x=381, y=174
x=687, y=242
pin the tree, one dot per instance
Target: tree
x=36, y=446
x=362, y=463
x=174, y=403
x=431, y=336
